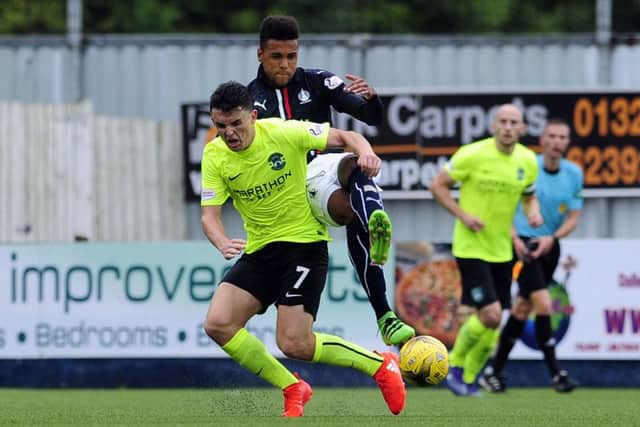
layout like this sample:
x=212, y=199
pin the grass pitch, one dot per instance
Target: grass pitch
x=329, y=407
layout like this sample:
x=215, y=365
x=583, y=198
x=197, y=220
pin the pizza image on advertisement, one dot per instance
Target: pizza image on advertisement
x=427, y=297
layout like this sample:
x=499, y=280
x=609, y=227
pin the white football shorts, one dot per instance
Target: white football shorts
x=322, y=182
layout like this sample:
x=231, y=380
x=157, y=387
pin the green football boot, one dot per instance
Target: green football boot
x=393, y=330
x=380, y=230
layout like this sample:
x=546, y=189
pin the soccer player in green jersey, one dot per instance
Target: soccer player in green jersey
x=261, y=165
x=494, y=175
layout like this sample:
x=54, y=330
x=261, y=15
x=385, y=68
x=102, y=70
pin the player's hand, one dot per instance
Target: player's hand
x=521, y=249
x=535, y=219
x=471, y=222
x=360, y=86
x=370, y=164
x=545, y=243
x=232, y=248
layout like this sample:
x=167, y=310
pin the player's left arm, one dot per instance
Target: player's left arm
x=368, y=161
x=531, y=208
x=357, y=98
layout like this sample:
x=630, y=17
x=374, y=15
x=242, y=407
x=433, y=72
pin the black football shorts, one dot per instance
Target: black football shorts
x=284, y=273
x=485, y=282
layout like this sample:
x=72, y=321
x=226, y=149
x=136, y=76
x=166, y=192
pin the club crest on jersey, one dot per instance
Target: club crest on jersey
x=477, y=294
x=520, y=174
x=333, y=82
x=304, y=97
x=276, y=161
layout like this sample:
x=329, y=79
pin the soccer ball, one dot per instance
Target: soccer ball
x=424, y=361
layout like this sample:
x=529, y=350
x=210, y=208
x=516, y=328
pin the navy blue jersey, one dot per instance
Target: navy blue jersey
x=309, y=96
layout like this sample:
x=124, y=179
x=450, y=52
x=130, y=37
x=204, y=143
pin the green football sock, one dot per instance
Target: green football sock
x=333, y=350
x=468, y=335
x=251, y=354
x=479, y=354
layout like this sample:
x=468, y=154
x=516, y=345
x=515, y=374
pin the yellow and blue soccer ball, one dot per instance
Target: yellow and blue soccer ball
x=424, y=361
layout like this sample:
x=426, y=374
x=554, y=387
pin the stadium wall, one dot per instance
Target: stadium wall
x=130, y=314
x=67, y=174
x=224, y=373
x=133, y=77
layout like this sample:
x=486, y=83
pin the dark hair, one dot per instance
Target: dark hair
x=278, y=27
x=557, y=121
x=230, y=95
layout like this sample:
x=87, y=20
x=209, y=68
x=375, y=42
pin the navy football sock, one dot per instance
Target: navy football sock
x=371, y=276
x=364, y=195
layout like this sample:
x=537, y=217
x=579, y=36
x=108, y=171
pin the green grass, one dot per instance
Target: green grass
x=361, y=407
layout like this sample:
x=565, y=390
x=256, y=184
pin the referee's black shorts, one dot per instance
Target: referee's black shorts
x=284, y=273
x=538, y=273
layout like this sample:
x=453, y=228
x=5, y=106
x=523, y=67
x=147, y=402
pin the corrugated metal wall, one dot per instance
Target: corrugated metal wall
x=150, y=76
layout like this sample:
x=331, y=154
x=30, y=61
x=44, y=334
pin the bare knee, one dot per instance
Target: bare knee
x=541, y=301
x=218, y=329
x=491, y=315
x=339, y=206
x=296, y=346
x=521, y=309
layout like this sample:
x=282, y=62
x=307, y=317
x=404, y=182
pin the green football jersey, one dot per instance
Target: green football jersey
x=267, y=181
x=491, y=185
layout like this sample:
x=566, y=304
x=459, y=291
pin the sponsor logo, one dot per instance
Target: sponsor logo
x=276, y=161
x=520, y=174
x=629, y=280
x=207, y=194
x=333, y=82
x=316, y=129
x=265, y=189
x=231, y=178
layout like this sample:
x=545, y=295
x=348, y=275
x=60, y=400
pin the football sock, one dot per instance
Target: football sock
x=468, y=335
x=333, y=350
x=250, y=353
x=508, y=337
x=371, y=276
x=546, y=343
x=479, y=354
x=364, y=195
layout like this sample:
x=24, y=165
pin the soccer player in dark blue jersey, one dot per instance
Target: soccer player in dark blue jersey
x=338, y=192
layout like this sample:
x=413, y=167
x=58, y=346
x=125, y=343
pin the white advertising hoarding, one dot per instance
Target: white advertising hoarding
x=603, y=288
x=143, y=300
x=149, y=300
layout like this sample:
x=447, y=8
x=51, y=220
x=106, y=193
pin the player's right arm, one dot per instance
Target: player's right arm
x=214, y=230
x=441, y=189
x=213, y=195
